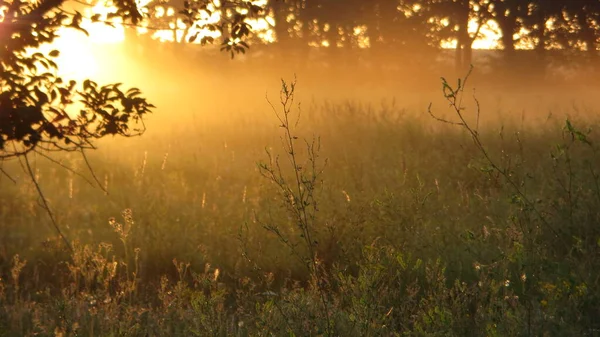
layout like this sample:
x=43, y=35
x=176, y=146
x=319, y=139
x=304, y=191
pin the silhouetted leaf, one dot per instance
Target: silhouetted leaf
x=193, y=38
x=41, y=96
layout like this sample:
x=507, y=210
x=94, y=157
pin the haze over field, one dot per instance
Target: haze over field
x=384, y=188
x=355, y=49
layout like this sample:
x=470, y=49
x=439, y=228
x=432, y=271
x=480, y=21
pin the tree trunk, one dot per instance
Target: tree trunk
x=306, y=11
x=463, y=40
x=284, y=48
x=540, y=52
x=384, y=23
x=281, y=10
x=507, y=26
x=383, y=30
x=468, y=53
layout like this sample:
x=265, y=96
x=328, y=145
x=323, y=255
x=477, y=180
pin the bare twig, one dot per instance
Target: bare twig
x=89, y=166
x=299, y=191
x=439, y=119
x=45, y=203
x=63, y=166
x=6, y=173
x=454, y=97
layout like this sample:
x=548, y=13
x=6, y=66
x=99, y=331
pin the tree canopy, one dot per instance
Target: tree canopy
x=527, y=34
x=406, y=24
x=40, y=110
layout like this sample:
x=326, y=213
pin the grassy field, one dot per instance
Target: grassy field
x=389, y=223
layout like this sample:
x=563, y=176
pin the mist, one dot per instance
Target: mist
x=189, y=87
x=353, y=168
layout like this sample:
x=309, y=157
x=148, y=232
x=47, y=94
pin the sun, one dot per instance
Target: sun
x=85, y=56
x=81, y=56
x=76, y=60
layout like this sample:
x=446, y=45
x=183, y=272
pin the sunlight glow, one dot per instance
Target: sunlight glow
x=362, y=39
x=102, y=33
x=80, y=54
x=77, y=59
x=488, y=38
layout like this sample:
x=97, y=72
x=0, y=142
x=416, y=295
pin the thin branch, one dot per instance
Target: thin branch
x=45, y=204
x=430, y=111
x=19, y=157
x=64, y=166
x=456, y=105
x=478, y=106
x=89, y=166
x=6, y=174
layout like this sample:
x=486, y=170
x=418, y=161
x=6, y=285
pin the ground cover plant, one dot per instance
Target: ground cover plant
x=326, y=220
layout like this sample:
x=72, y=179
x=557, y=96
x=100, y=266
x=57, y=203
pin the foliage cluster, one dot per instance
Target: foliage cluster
x=36, y=105
x=40, y=109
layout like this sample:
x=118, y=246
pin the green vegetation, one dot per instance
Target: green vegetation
x=383, y=224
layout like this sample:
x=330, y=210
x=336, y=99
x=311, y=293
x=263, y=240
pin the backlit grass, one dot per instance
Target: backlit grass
x=415, y=232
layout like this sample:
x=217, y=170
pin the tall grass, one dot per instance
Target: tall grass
x=413, y=228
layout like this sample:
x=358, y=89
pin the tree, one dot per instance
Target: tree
x=449, y=20
x=583, y=18
x=540, y=13
x=509, y=15
x=41, y=112
x=463, y=12
x=283, y=29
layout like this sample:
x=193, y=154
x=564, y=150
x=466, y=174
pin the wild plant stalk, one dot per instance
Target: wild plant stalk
x=298, y=192
x=123, y=231
x=265, y=278
x=455, y=95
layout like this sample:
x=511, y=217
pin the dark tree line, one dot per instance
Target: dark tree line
x=416, y=27
x=409, y=25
